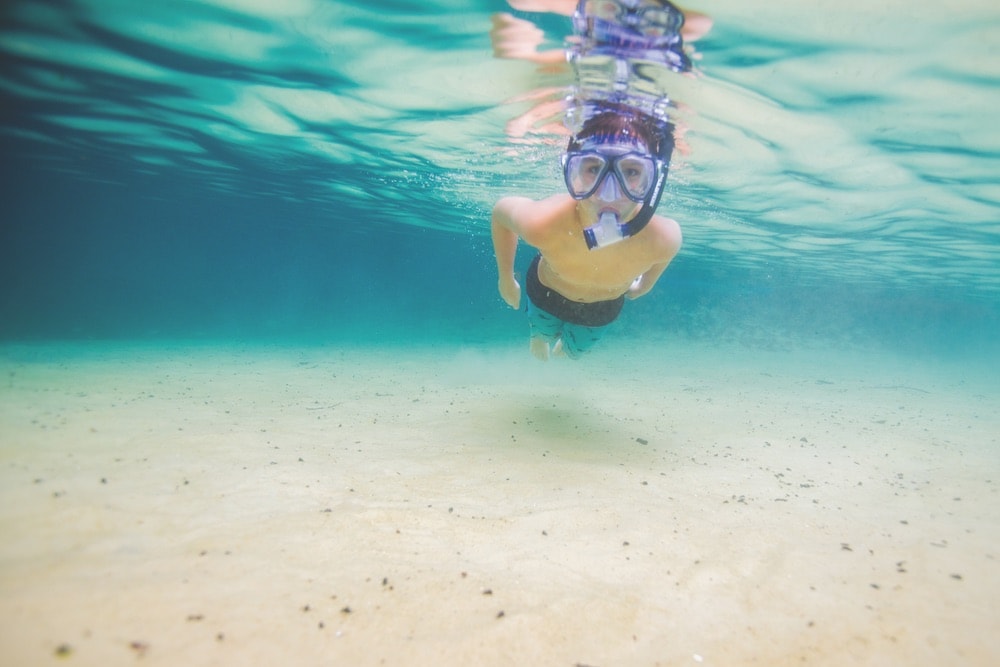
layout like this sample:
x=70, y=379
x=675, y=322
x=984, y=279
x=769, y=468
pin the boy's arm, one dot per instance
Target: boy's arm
x=644, y=283
x=505, y=233
x=670, y=243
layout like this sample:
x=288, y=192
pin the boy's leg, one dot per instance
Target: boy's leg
x=576, y=339
x=544, y=327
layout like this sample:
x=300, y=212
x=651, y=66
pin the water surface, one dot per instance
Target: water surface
x=237, y=167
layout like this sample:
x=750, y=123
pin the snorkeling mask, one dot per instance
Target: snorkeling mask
x=585, y=171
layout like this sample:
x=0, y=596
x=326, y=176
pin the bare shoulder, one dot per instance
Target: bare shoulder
x=665, y=236
x=531, y=219
x=509, y=206
x=523, y=207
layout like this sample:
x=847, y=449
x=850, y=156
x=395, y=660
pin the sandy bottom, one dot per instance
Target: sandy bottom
x=678, y=505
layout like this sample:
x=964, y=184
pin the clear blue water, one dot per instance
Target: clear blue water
x=321, y=169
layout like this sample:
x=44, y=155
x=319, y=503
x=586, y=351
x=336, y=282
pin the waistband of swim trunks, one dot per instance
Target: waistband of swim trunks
x=590, y=314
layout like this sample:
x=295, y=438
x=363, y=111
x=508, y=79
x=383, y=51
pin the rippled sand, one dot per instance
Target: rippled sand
x=661, y=505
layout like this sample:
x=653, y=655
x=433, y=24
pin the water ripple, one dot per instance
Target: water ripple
x=845, y=147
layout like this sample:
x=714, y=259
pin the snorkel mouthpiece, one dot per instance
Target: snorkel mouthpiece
x=606, y=231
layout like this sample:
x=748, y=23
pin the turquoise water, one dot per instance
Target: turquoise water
x=323, y=170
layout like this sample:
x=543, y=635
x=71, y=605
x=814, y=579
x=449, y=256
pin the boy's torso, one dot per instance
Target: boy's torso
x=580, y=274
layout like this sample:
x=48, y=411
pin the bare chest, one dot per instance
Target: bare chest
x=591, y=275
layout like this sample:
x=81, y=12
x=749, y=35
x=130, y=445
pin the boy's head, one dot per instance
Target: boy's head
x=617, y=161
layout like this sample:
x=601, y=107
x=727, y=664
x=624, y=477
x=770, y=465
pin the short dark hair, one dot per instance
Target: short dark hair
x=625, y=123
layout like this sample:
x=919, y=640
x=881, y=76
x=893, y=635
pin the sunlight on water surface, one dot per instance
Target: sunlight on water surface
x=846, y=140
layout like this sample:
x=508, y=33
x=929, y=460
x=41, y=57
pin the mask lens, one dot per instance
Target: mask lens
x=636, y=174
x=584, y=172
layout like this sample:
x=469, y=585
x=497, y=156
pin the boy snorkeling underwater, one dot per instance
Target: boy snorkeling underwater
x=599, y=243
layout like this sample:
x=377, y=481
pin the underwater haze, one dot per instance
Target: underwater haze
x=316, y=169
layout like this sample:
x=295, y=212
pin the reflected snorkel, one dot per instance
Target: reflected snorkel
x=617, y=28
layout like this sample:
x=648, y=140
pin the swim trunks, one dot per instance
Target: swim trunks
x=594, y=314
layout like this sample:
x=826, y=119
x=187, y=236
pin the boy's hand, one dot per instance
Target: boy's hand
x=637, y=288
x=510, y=291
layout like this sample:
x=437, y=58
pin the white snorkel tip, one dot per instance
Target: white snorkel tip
x=606, y=231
